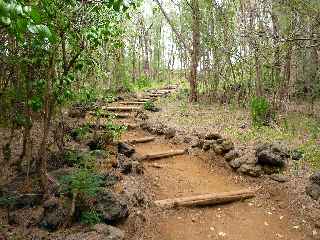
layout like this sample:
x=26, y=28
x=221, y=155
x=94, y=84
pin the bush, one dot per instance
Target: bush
x=149, y=105
x=261, y=113
x=80, y=133
x=115, y=130
x=90, y=217
x=82, y=182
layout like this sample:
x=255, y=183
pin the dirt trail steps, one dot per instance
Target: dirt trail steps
x=184, y=176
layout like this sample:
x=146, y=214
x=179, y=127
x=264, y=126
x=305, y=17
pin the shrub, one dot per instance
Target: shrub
x=79, y=159
x=90, y=217
x=115, y=130
x=149, y=105
x=80, y=133
x=83, y=182
x=261, y=113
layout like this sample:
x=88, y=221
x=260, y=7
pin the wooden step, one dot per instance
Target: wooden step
x=163, y=155
x=122, y=109
x=140, y=140
x=206, y=199
x=146, y=99
x=132, y=103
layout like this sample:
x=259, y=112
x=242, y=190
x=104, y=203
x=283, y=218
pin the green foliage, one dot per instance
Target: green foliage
x=79, y=159
x=148, y=105
x=83, y=182
x=115, y=130
x=7, y=201
x=143, y=83
x=90, y=217
x=260, y=112
x=80, y=133
x=311, y=153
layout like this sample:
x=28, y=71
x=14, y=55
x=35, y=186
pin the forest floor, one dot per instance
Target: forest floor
x=279, y=211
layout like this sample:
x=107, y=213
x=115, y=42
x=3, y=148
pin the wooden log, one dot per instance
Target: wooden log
x=132, y=103
x=163, y=155
x=122, y=109
x=144, y=99
x=140, y=140
x=206, y=199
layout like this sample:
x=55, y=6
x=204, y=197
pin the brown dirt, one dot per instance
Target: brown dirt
x=189, y=175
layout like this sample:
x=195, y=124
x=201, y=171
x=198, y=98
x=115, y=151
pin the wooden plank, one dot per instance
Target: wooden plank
x=132, y=103
x=206, y=199
x=163, y=155
x=122, y=109
x=140, y=140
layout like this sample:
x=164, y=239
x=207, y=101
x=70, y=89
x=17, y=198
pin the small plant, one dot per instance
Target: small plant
x=80, y=133
x=261, y=112
x=82, y=182
x=90, y=217
x=115, y=130
x=149, y=105
x=76, y=158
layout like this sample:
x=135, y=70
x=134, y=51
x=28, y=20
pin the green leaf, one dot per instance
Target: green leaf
x=6, y=20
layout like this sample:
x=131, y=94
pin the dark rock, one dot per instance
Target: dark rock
x=279, y=178
x=55, y=214
x=212, y=136
x=233, y=154
x=220, y=141
x=246, y=159
x=125, y=149
x=197, y=143
x=296, y=154
x=112, y=207
x=315, y=178
x=187, y=139
x=266, y=157
x=169, y=132
x=250, y=170
x=236, y=163
x=124, y=163
x=227, y=146
x=207, y=144
x=313, y=191
x=272, y=155
x=218, y=149
x=98, y=232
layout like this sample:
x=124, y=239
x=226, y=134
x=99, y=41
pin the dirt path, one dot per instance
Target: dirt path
x=188, y=175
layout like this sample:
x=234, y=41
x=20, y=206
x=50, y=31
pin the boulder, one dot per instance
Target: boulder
x=128, y=165
x=272, y=155
x=169, y=133
x=233, y=154
x=98, y=232
x=250, y=169
x=54, y=215
x=313, y=190
x=112, y=207
x=245, y=159
x=279, y=178
x=227, y=146
x=197, y=143
x=315, y=178
x=212, y=136
x=126, y=149
x=207, y=144
x=218, y=149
